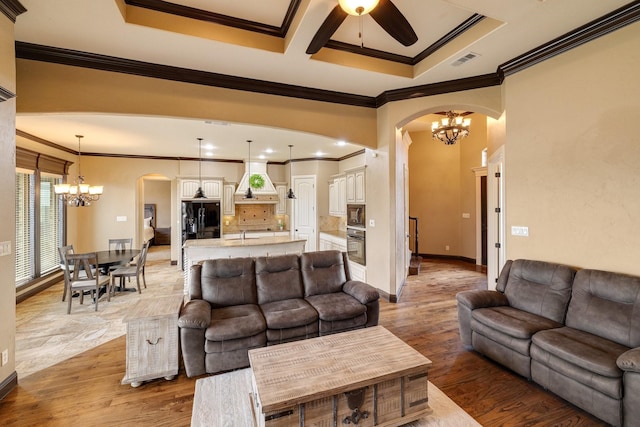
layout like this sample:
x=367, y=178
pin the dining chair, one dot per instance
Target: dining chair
x=129, y=271
x=120, y=244
x=63, y=251
x=82, y=277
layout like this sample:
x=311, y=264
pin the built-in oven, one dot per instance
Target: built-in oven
x=355, y=216
x=356, y=245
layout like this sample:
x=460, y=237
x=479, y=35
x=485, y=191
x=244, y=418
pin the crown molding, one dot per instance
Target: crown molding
x=11, y=9
x=128, y=66
x=5, y=94
x=217, y=18
x=606, y=24
x=617, y=19
x=457, y=85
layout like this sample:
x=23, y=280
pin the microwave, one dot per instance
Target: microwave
x=355, y=216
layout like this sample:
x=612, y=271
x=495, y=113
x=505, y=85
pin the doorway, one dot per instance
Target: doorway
x=304, y=210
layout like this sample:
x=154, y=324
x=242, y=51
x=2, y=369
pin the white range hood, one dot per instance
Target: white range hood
x=265, y=194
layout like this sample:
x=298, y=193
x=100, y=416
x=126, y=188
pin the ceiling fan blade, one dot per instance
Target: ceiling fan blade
x=326, y=30
x=389, y=17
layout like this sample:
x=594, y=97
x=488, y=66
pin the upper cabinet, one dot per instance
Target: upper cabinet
x=212, y=188
x=228, y=201
x=281, y=206
x=338, y=196
x=355, y=182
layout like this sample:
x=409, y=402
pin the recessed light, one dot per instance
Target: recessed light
x=209, y=153
x=262, y=156
x=209, y=147
x=341, y=143
x=319, y=153
x=268, y=151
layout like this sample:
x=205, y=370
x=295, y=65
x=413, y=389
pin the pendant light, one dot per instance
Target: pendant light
x=199, y=193
x=290, y=194
x=249, y=193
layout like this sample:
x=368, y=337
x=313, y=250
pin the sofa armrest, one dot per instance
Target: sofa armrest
x=196, y=314
x=361, y=291
x=630, y=360
x=481, y=299
x=471, y=300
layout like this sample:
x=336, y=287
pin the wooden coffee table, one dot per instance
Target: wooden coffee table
x=367, y=377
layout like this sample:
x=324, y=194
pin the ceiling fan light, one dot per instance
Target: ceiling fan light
x=358, y=7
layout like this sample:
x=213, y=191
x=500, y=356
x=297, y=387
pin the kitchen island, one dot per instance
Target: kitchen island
x=250, y=246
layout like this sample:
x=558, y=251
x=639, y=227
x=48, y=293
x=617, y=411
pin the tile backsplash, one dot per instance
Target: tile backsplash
x=258, y=217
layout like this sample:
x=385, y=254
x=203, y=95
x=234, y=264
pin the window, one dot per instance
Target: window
x=40, y=215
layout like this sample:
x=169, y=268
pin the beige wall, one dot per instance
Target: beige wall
x=7, y=194
x=573, y=156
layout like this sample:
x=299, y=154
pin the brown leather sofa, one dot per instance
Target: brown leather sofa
x=576, y=333
x=237, y=304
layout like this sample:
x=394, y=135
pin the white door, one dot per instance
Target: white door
x=304, y=210
x=495, y=217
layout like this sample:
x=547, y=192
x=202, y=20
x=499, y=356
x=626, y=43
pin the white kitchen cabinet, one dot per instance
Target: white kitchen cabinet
x=357, y=271
x=212, y=188
x=329, y=242
x=356, y=186
x=228, y=201
x=338, y=196
x=281, y=206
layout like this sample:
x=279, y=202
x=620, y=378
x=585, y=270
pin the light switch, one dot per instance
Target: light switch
x=466, y=215
x=372, y=223
x=121, y=218
x=519, y=231
x=5, y=248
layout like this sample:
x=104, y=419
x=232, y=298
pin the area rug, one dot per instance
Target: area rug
x=223, y=401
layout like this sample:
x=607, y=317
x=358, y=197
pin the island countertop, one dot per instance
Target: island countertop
x=197, y=250
x=247, y=241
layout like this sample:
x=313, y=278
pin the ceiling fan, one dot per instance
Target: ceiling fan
x=384, y=12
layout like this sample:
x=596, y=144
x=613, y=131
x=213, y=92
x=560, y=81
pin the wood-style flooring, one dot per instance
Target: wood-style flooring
x=74, y=380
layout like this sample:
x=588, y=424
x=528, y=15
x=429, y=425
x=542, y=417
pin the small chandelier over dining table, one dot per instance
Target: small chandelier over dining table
x=451, y=128
x=80, y=193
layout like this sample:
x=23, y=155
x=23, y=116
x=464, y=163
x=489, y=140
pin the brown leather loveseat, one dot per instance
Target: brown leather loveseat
x=576, y=333
x=237, y=304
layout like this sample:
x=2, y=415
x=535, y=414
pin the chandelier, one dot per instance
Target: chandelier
x=451, y=128
x=79, y=194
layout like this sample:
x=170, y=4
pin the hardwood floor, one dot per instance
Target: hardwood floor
x=84, y=389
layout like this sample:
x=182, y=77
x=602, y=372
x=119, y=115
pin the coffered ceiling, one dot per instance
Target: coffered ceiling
x=267, y=41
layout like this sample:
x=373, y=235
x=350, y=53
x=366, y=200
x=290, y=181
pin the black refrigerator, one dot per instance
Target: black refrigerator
x=200, y=219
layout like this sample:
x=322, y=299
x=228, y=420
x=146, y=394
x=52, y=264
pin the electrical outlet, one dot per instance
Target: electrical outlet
x=5, y=357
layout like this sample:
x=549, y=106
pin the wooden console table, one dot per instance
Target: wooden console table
x=152, y=340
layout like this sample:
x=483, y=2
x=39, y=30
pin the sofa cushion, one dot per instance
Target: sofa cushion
x=288, y=313
x=606, y=304
x=336, y=306
x=279, y=336
x=278, y=278
x=322, y=272
x=539, y=287
x=234, y=322
x=509, y=327
x=583, y=357
x=588, y=351
x=228, y=281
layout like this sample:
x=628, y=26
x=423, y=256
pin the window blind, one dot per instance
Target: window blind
x=24, y=229
x=50, y=224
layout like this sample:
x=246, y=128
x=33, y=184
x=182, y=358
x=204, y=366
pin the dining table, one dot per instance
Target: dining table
x=114, y=258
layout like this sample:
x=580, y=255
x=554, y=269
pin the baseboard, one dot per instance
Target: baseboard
x=174, y=262
x=8, y=384
x=26, y=291
x=388, y=297
x=450, y=257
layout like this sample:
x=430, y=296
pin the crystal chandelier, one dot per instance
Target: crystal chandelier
x=451, y=128
x=78, y=194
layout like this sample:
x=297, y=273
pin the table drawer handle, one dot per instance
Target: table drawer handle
x=154, y=343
